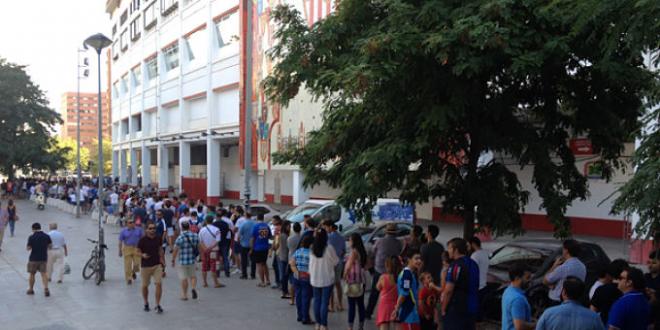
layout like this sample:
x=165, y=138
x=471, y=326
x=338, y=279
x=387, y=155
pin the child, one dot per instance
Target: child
x=408, y=287
x=428, y=299
x=388, y=294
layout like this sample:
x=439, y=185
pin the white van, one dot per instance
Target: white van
x=319, y=210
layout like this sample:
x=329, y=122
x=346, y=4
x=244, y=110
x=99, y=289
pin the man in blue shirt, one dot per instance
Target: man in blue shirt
x=244, y=237
x=460, y=302
x=630, y=312
x=516, y=312
x=570, y=315
x=259, y=246
x=566, y=265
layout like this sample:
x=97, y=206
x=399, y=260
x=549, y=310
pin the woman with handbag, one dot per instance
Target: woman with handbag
x=12, y=216
x=355, y=280
x=322, y=262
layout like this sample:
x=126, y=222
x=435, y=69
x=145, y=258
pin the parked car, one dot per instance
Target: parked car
x=268, y=211
x=538, y=255
x=370, y=234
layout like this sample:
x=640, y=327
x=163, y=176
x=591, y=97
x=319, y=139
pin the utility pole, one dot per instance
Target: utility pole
x=248, y=101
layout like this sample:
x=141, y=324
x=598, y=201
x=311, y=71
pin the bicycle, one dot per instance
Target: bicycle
x=96, y=263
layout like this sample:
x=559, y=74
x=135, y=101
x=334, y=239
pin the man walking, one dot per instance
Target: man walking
x=516, y=311
x=209, y=236
x=244, y=238
x=259, y=247
x=128, y=241
x=153, y=259
x=566, y=265
x=570, y=315
x=57, y=252
x=460, y=302
x=386, y=247
x=38, y=244
x=186, y=247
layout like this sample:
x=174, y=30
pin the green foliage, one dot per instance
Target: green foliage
x=25, y=124
x=641, y=194
x=68, y=148
x=94, y=157
x=410, y=86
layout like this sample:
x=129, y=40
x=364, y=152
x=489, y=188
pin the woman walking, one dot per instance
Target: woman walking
x=12, y=217
x=355, y=280
x=322, y=262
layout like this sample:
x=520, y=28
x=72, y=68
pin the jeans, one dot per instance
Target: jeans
x=284, y=276
x=352, y=304
x=303, y=299
x=321, y=302
x=224, y=252
x=373, y=296
x=12, y=225
x=276, y=269
x=245, y=259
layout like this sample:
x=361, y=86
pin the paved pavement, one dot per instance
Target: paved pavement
x=80, y=304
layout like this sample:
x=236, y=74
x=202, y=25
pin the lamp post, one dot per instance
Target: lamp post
x=84, y=66
x=248, y=102
x=98, y=42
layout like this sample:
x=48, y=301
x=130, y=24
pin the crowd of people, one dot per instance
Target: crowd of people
x=415, y=282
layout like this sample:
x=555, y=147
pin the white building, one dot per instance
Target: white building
x=175, y=73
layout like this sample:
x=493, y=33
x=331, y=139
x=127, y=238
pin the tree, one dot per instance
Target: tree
x=94, y=157
x=641, y=194
x=68, y=146
x=25, y=124
x=415, y=92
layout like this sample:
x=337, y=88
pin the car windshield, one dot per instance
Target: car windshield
x=508, y=255
x=297, y=214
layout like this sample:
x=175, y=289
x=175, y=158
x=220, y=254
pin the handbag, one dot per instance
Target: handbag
x=354, y=290
x=195, y=249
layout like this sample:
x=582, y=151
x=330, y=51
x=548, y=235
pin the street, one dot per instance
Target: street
x=80, y=304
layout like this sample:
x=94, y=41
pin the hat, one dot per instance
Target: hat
x=391, y=228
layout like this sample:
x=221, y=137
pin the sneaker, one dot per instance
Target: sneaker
x=194, y=294
x=146, y=308
x=159, y=309
x=236, y=271
x=46, y=293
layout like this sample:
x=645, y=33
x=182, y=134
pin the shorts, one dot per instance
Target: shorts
x=170, y=231
x=237, y=248
x=186, y=271
x=148, y=272
x=209, y=259
x=36, y=266
x=339, y=272
x=260, y=257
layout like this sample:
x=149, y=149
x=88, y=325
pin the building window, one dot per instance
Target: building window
x=135, y=6
x=171, y=55
x=196, y=47
x=123, y=40
x=115, y=50
x=114, y=30
x=150, y=16
x=168, y=6
x=123, y=18
x=137, y=76
x=152, y=68
x=135, y=28
x=227, y=28
x=124, y=84
x=115, y=92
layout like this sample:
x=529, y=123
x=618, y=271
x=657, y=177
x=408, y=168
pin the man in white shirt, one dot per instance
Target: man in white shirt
x=209, y=236
x=57, y=253
x=185, y=217
x=481, y=258
x=114, y=202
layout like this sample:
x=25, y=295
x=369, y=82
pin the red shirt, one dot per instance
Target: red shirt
x=428, y=300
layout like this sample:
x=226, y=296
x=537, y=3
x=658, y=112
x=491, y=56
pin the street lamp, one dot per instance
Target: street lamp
x=85, y=74
x=248, y=104
x=98, y=42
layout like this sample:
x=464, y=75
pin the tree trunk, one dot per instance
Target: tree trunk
x=471, y=185
x=468, y=221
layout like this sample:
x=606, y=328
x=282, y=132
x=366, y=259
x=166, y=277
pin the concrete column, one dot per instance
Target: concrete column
x=213, y=170
x=184, y=161
x=163, y=168
x=300, y=194
x=134, y=166
x=146, y=164
x=123, y=166
x=115, y=164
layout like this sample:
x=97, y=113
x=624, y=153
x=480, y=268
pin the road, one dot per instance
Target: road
x=80, y=304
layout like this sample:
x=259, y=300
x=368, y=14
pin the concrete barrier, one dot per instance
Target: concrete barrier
x=68, y=208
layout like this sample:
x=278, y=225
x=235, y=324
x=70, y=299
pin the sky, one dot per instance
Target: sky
x=45, y=34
